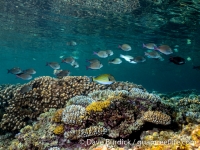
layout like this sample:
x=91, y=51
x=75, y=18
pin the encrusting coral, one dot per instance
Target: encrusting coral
x=97, y=106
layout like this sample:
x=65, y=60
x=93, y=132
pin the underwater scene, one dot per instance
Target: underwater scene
x=99, y=75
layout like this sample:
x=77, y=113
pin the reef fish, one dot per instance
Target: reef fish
x=24, y=76
x=125, y=47
x=101, y=54
x=149, y=45
x=68, y=60
x=29, y=71
x=63, y=73
x=93, y=60
x=95, y=65
x=165, y=49
x=71, y=43
x=127, y=58
x=138, y=59
x=109, y=52
x=104, y=79
x=177, y=60
x=25, y=89
x=53, y=65
x=153, y=54
x=15, y=70
x=115, y=61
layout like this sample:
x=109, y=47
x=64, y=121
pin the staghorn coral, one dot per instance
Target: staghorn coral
x=49, y=93
x=157, y=117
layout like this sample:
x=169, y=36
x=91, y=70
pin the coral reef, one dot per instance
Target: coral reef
x=110, y=115
x=73, y=113
x=48, y=93
x=186, y=109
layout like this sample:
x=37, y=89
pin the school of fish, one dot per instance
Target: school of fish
x=153, y=52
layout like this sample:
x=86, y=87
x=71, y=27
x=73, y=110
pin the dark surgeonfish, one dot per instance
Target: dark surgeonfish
x=62, y=73
x=115, y=61
x=93, y=61
x=68, y=60
x=24, y=76
x=15, y=70
x=26, y=89
x=177, y=60
x=29, y=71
x=138, y=59
x=53, y=65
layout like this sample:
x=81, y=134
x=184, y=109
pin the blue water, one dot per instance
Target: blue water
x=32, y=36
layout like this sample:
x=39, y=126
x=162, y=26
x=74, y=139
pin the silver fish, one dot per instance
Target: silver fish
x=15, y=70
x=29, y=71
x=63, y=73
x=68, y=60
x=53, y=65
x=101, y=54
x=96, y=65
x=93, y=60
x=115, y=61
x=25, y=89
x=24, y=76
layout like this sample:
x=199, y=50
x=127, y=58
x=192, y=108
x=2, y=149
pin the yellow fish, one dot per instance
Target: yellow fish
x=104, y=79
